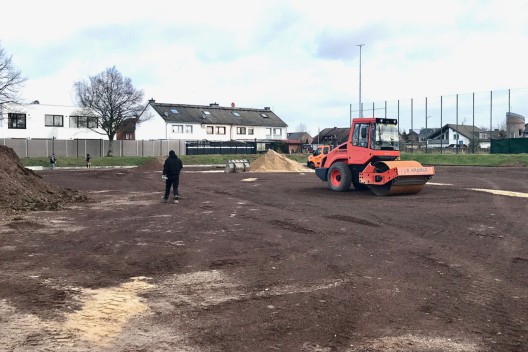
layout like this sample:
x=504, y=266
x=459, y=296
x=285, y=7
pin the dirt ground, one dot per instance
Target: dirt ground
x=268, y=262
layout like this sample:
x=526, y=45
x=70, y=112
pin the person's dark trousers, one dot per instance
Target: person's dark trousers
x=172, y=182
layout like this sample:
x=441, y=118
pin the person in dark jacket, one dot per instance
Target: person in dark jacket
x=53, y=160
x=171, y=175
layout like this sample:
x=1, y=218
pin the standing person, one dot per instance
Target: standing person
x=171, y=174
x=88, y=161
x=53, y=160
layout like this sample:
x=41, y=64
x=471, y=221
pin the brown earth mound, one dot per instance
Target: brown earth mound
x=23, y=190
x=275, y=162
x=153, y=165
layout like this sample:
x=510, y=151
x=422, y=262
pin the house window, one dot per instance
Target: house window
x=268, y=131
x=221, y=130
x=241, y=130
x=277, y=131
x=177, y=128
x=53, y=120
x=210, y=130
x=16, y=120
x=251, y=131
x=188, y=128
x=127, y=136
x=83, y=122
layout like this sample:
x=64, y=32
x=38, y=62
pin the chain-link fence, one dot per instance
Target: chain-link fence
x=474, y=118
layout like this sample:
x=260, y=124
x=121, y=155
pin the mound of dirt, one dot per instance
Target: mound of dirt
x=153, y=164
x=23, y=190
x=275, y=162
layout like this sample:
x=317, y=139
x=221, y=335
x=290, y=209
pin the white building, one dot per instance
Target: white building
x=45, y=121
x=209, y=122
x=451, y=135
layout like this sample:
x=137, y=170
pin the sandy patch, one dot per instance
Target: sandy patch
x=97, y=324
x=206, y=288
x=501, y=193
x=106, y=311
x=411, y=343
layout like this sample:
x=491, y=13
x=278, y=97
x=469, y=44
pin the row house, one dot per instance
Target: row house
x=209, y=122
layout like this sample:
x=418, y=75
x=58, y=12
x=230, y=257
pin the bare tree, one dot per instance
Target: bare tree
x=301, y=128
x=108, y=100
x=11, y=80
x=502, y=130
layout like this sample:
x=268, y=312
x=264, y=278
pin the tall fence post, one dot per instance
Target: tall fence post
x=473, y=104
x=491, y=115
x=441, y=126
x=509, y=97
x=456, y=124
x=426, y=132
x=412, y=125
x=398, y=117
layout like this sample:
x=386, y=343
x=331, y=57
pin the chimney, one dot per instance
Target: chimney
x=214, y=104
x=267, y=108
x=232, y=104
x=152, y=101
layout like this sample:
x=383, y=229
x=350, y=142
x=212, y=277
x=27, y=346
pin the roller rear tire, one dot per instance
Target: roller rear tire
x=339, y=177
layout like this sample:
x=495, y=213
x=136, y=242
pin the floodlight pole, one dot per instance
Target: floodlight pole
x=360, y=104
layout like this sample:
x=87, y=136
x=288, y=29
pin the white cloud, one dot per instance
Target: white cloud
x=299, y=57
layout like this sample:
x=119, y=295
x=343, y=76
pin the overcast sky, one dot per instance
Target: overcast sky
x=297, y=56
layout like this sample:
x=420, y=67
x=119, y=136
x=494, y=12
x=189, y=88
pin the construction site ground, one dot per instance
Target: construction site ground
x=266, y=261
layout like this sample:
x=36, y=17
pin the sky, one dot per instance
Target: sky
x=299, y=57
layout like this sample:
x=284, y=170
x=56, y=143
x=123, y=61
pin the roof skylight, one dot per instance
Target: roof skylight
x=236, y=113
x=174, y=111
x=264, y=115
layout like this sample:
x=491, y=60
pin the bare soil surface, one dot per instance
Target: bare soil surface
x=264, y=261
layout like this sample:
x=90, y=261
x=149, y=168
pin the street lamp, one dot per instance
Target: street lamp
x=360, y=104
x=426, y=133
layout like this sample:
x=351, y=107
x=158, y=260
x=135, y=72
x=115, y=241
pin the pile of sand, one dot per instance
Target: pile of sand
x=275, y=162
x=22, y=189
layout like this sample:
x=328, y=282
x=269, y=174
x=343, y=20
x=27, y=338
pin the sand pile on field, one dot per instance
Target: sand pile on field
x=275, y=162
x=22, y=189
